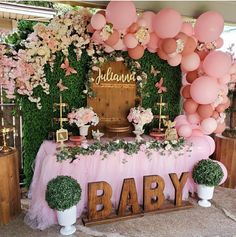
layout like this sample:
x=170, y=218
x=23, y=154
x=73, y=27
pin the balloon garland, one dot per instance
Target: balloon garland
x=179, y=43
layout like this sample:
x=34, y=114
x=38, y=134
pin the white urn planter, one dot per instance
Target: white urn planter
x=67, y=218
x=205, y=193
x=138, y=132
x=84, y=130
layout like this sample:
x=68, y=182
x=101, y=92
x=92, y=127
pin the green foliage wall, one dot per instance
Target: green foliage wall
x=37, y=123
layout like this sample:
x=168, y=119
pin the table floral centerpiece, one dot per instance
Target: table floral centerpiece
x=83, y=118
x=139, y=117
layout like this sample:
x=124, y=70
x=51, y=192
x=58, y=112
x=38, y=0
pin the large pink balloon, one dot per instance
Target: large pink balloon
x=194, y=118
x=209, y=26
x=130, y=41
x=119, y=45
x=121, y=14
x=113, y=38
x=217, y=63
x=197, y=132
x=152, y=44
x=137, y=52
x=225, y=172
x=187, y=28
x=175, y=61
x=96, y=38
x=190, y=62
x=149, y=16
x=211, y=143
x=208, y=125
x=219, y=43
x=185, y=131
x=98, y=21
x=204, y=90
x=167, y=23
x=180, y=120
x=201, y=146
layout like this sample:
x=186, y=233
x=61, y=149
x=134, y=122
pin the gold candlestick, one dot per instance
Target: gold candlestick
x=5, y=148
x=160, y=116
x=61, y=134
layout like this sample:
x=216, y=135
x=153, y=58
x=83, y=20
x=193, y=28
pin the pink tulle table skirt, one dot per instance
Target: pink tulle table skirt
x=114, y=169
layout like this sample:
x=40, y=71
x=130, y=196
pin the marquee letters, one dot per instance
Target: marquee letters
x=100, y=205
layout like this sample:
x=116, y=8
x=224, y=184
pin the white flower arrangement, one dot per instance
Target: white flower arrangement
x=83, y=116
x=139, y=115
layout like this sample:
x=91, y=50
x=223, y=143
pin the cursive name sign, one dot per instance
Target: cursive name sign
x=110, y=76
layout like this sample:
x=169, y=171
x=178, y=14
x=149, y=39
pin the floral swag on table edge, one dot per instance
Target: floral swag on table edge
x=129, y=148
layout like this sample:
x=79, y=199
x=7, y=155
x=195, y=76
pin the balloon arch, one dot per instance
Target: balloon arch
x=206, y=71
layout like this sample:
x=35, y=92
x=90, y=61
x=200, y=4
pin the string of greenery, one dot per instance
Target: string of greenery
x=38, y=123
x=129, y=148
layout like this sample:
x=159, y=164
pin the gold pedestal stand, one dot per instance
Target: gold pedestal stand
x=161, y=118
x=61, y=134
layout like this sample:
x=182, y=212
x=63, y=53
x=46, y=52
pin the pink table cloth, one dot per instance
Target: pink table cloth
x=114, y=169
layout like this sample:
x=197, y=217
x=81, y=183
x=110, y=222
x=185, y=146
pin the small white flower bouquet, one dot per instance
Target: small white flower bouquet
x=83, y=116
x=139, y=115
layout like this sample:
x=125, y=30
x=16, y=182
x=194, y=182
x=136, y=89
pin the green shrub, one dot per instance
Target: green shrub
x=62, y=193
x=207, y=172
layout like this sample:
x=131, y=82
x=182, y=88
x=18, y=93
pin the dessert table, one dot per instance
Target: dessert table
x=113, y=169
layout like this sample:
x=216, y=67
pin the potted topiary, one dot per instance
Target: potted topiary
x=207, y=174
x=62, y=194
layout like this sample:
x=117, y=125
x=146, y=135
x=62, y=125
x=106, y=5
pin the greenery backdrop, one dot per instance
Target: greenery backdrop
x=38, y=123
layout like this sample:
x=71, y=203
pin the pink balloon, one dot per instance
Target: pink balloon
x=194, y=118
x=217, y=63
x=175, y=61
x=153, y=41
x=167, y=23
x=201, y=146
x=197, y=132
x=219, y=43
x=208, y=125
x=108, y=49
x=149, y=16
x=180, y=120
x=142, y=22
x=220, y=128
x=121, y=14
x=225, y=172
x=209, y=26
x=119, y=45
x=137, y=52
x=190, y=62
x=96, y=38
x=211, y=143
x=98, y=21
x=187, y=28
x=90, y=28
x=204, y=90
x=151, y=50
x=113, y=38
x=130, y=41
x=185, y=131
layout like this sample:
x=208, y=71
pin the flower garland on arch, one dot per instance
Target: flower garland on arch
x=23, y=71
